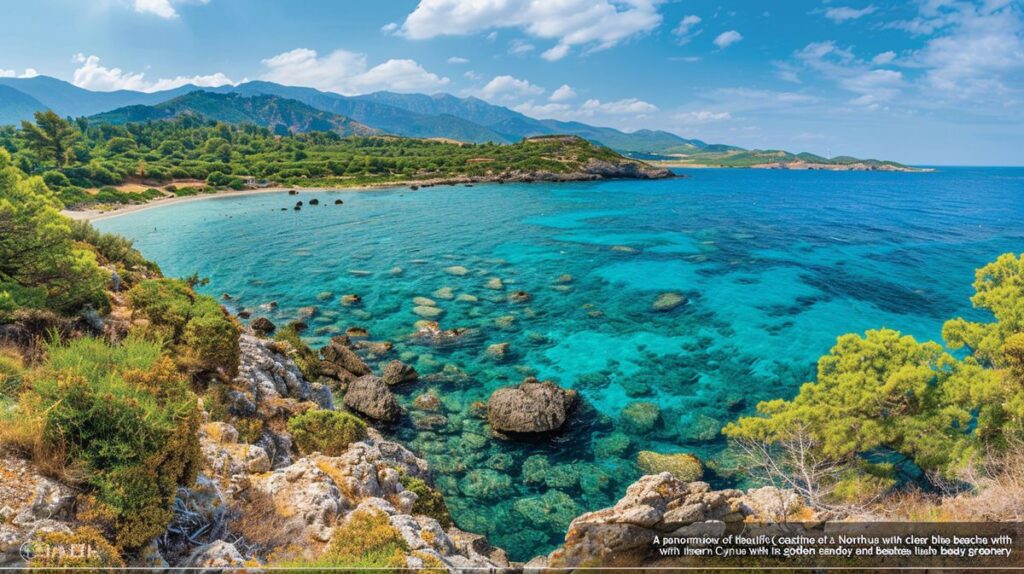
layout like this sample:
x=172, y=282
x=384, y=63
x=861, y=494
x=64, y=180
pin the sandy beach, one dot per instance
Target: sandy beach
x=98, y=214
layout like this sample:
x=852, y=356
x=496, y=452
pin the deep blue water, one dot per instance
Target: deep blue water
x=774, y=264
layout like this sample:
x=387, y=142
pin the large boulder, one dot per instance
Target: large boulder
x=369, y=395
x=531, y=407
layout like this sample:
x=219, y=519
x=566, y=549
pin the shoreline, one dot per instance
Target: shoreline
x=411, y=185
x=792, y=167
x=100, y=214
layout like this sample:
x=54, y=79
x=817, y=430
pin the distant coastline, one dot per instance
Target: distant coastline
x=794, y=166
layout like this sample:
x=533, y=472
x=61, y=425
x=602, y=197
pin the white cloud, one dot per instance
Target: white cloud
x=162, y=8
x=590, y=111
x=684, y=31
x=786, y=72
x=348, y=73
x=872, y=85
x=563, y=93
x=91, y=75
x=883, y=58
x=519, y=47
x=28, y=73
x=701, y=117
x=841, y=14
x=631, y=106
x=981, y=55
x=595, y=24
x=457, y=60
x=728, y=38
x=508, y=89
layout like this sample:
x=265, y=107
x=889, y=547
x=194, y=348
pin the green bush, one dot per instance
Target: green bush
x=121, y=421
x=326, y=432
x=204, y=336
x=366, y=540
x=429, y=502
x=306, y=359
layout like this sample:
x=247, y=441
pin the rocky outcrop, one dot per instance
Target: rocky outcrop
x=624, y=169
x=661, y=505
x=266, y=372
x=531, y=407
x=342, y=363
x=369, y=395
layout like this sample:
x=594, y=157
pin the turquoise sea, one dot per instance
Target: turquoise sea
x=774, y=265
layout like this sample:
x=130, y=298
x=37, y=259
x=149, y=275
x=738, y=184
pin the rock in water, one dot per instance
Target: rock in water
x=457, y=270
x=341, y=362
x=668, y=301
x=427, y=311
x=531, y=407
x=397, y=372
x=497, y=351
x=368, y=395
x=263, y=326
x=685, y=467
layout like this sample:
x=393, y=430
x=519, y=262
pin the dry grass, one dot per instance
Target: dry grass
x=254, y=517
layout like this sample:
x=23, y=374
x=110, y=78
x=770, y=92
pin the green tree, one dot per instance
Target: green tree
x=40, y=264
x=51, y=136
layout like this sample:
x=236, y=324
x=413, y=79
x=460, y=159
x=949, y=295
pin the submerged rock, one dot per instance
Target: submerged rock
x=351, y=299
x=445, y=293
x=457, y=270
x=667, y=302
x=368, y=395
x=519, y=297
x=427, y=311
x=423, y=302
x=495, y=283
x=684, y=467
x=640, y=417
x=397, y=372
x=486, y=484
x=498, y=352
x=531, y=407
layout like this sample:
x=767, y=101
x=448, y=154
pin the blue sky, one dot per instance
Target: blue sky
x=929, y=81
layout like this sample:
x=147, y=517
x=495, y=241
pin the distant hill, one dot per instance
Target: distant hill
x=388, y=118
x=68, y=99
x=279, y=114
x=411, y=115
x=16, y=105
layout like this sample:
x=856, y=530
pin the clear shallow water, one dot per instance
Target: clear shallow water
x=774, y=265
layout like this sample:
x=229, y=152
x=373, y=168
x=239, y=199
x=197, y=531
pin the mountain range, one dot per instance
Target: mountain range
x=412, y=115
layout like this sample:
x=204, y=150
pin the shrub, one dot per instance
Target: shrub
x=204, y=336
x=120, y=421
x=429, y=502
x=365, y=540
x=306, y=359
x=327, y=432
x=56, y=179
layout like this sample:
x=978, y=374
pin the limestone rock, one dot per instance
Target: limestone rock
x=369, y=395
x=531, y=407
x=397, y=372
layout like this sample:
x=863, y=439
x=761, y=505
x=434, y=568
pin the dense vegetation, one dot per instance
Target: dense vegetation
x=80, y=155
x=884, y=401
x=119, y=419
x=100, y=405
